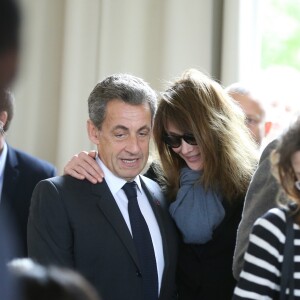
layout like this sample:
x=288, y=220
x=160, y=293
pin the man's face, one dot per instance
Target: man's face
x=8, y=67
x=255, y=116
x=123, y=140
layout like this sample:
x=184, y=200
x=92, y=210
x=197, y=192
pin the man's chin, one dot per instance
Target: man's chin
x=130, y=174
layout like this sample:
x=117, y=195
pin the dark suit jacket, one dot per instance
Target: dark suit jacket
x=8, y=287
x=21, y=174
x=260, y=197
x=78, y=224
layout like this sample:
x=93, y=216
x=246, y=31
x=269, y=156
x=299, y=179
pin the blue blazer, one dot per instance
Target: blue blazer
x=21, y=174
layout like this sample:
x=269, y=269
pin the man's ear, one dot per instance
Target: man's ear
x=93, y=132
x=268, y=126
x=3, y=118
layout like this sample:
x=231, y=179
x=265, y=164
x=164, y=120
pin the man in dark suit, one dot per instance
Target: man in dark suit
x=93, y=228
x=19, y=174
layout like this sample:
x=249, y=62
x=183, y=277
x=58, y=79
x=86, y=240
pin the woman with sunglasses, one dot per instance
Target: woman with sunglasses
x=207, y=160
x=261, y=274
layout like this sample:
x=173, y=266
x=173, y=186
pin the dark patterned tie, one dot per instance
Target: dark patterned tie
x=143, y=243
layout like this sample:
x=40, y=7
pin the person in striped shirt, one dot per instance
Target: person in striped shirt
x=261, y=274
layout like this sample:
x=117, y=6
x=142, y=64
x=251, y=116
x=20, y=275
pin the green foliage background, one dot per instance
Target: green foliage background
x=281, y=35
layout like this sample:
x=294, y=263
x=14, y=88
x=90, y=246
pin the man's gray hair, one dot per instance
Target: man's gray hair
x=125, y=87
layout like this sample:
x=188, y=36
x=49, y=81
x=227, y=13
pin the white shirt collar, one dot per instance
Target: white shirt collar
x=3, y=160
x=114, y=182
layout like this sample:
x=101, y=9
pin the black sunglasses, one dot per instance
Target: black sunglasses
x=174, y=141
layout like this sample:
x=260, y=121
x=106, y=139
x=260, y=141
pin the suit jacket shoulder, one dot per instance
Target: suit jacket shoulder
x=29, y=164
x=21, y=174
x=260, y=197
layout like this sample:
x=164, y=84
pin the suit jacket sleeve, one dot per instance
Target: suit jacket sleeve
x=260, y=197
x=53, y=172
x=49, y=233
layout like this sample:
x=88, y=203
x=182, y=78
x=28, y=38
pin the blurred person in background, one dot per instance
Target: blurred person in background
x=254, y=109
x=278, y=86
x=19, y=173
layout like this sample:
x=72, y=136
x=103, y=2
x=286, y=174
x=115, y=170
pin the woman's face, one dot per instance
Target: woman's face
x=191, y=154
x=295, y=160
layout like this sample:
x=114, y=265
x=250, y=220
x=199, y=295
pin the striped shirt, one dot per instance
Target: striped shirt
x=260, y=277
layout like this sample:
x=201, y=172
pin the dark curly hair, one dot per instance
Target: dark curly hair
x=281, y=158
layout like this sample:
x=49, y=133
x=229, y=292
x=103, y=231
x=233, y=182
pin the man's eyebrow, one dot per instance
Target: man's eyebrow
x=145, y=127
x=120, y=127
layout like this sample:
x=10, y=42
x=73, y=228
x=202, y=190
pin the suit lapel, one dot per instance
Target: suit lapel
x=11, y=173
x=111, y=211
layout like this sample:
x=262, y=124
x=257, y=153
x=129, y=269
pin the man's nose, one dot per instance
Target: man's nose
x=133, y=145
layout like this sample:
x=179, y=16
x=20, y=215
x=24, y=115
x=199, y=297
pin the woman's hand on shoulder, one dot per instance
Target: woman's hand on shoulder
x=84, y=166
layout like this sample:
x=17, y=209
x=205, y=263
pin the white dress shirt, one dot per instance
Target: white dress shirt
x=2, y=167
x=115, y=185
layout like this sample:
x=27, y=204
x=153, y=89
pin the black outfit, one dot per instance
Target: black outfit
x=205, y=271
